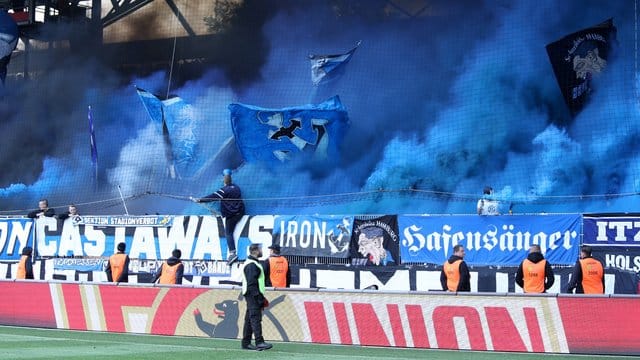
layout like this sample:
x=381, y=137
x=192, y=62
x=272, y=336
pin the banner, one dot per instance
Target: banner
x=125, y=220
x=15, y=234
x=273, y=135
x=611, y=231
x=535, y=324
x=197, y=237
x=375, y=241
x=489, y=240
x=577, y=58
x=618, y=257
x=321, y=236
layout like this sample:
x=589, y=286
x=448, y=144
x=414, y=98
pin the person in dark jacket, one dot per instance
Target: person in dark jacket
x=25, y=266
x=43, y=210
x=231, y=208
x=455, y=273
x=588, y=274
x=118, y=265
x=171, y=271
x=534, y=273
x=253, y=290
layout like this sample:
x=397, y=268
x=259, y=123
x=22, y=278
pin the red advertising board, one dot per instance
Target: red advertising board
x=564, y=324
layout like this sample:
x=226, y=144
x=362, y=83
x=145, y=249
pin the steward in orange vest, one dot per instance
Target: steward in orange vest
x=455, y=273
x=25, y=267
x=276, y=269
x=535, y=274
x=118, y=265
x=588, y=274
x=171, y=270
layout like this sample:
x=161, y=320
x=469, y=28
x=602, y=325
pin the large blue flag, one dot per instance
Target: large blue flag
x=278, y=134
x=328, y=66
x=178, y=128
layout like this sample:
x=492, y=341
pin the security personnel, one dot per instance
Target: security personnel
x=455, y=273
x=253, y=289
x=276, y=269
x=171, y=270
x=588, y=274
x=118, y=265
x=25, y=267
x=534, y=273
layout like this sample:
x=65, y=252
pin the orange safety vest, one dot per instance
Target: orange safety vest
x=592, y=274
x=278, y=268
x=116, y=261
x=168, y=275
x=452, y=272
x=533, y=276
x=22, y=267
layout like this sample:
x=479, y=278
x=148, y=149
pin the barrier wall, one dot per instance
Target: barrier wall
x=556, y=324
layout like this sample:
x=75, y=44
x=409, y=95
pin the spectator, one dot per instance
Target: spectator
x=118, y=265
x=253, y=289
x=455, y=273
x=43, y=210
x=171, y=271
x=231, y=207
x=487, y=205
x=276, y=269
x=25, y=266
x=588, y=274
x=72, y=212
x=535, y=274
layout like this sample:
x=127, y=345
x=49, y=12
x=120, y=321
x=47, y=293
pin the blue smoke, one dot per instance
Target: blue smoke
x=441, y=105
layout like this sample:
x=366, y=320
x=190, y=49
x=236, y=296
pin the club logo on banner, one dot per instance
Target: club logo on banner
x=489, y=240
x=375, y=241
x=323, y=236
x=615, y=230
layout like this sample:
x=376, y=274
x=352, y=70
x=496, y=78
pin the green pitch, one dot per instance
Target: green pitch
x=32, y=343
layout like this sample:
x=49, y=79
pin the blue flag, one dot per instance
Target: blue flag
x=328, y=66
x=577, y=58
x=8, y=41
x=178, y=128
x=278, y=134
x=92, y=141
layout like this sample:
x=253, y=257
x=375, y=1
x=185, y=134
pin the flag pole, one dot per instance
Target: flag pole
x=94, y=149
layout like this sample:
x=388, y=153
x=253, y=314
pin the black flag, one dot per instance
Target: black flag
x=577, y=57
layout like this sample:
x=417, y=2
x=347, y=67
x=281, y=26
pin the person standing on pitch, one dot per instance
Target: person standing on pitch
x=455, y=273
x=253, y=290
x=588, y=274
x=118, y=265
x=534, y=273
x=231, y=208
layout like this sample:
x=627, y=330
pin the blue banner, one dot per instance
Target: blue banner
x=274, y=135
x=323, y=236
x=615, y=230
x=15, y=234
x=489, y=240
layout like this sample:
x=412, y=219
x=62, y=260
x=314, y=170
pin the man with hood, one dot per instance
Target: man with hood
x=118, y=265
x=25, y=267
x=455, y=273
x=535, y=274
x=171, y=270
